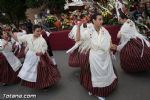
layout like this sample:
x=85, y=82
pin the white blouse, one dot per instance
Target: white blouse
x=83, y=46
x=98, y=41
x=37, y=45
x=72, y=34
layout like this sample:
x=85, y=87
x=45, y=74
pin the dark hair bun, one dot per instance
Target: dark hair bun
x=35, y=27
x=94, y=16
x=122, y=15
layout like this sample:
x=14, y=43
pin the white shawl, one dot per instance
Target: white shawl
x=129, y=31
x=100, y=61
x=83, y=45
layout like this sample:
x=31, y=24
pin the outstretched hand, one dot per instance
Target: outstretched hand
x=113, y=47
x=39, y=53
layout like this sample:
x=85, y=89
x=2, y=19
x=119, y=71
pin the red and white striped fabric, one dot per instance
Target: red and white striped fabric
x=74, y=59
x=85, y=80
x=19, y=53
x=7, y=75
x=130, y=57
x=47, y=75
x=84, y=58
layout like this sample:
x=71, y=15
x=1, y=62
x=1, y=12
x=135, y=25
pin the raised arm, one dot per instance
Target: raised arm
x=14, y=37
x=20, y=39
x=119, y=35
x=78, y=32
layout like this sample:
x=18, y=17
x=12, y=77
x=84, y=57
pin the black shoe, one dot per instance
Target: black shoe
x=4, y=84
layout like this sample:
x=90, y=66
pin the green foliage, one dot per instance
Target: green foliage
x=15, y=9
x=34, y=3
x=51, y=19
x=48, y=3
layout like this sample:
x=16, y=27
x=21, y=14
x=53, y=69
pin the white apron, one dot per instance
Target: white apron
x=102, y=73
x=13, y=61
x=28, y=71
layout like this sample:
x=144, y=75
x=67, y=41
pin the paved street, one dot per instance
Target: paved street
x=130, y=87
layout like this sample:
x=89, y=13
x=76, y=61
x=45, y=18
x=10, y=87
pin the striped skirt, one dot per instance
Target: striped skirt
x=20, y=54
x=85, y=80
x=84, y=59
x=130, y=57
x=47, y=74
x=7, y=75
x=74, y=59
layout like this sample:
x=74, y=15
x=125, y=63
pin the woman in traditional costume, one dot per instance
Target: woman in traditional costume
x=46, y=35
x=9, y=63
x=134, y=48
x=19, y=49
x=97, y=74
x=78, y=54
x=38, y=71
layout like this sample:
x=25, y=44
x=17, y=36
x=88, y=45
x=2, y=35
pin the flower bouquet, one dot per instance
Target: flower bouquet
x=51, y=20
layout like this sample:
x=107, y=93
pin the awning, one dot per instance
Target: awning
x=78, y=3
